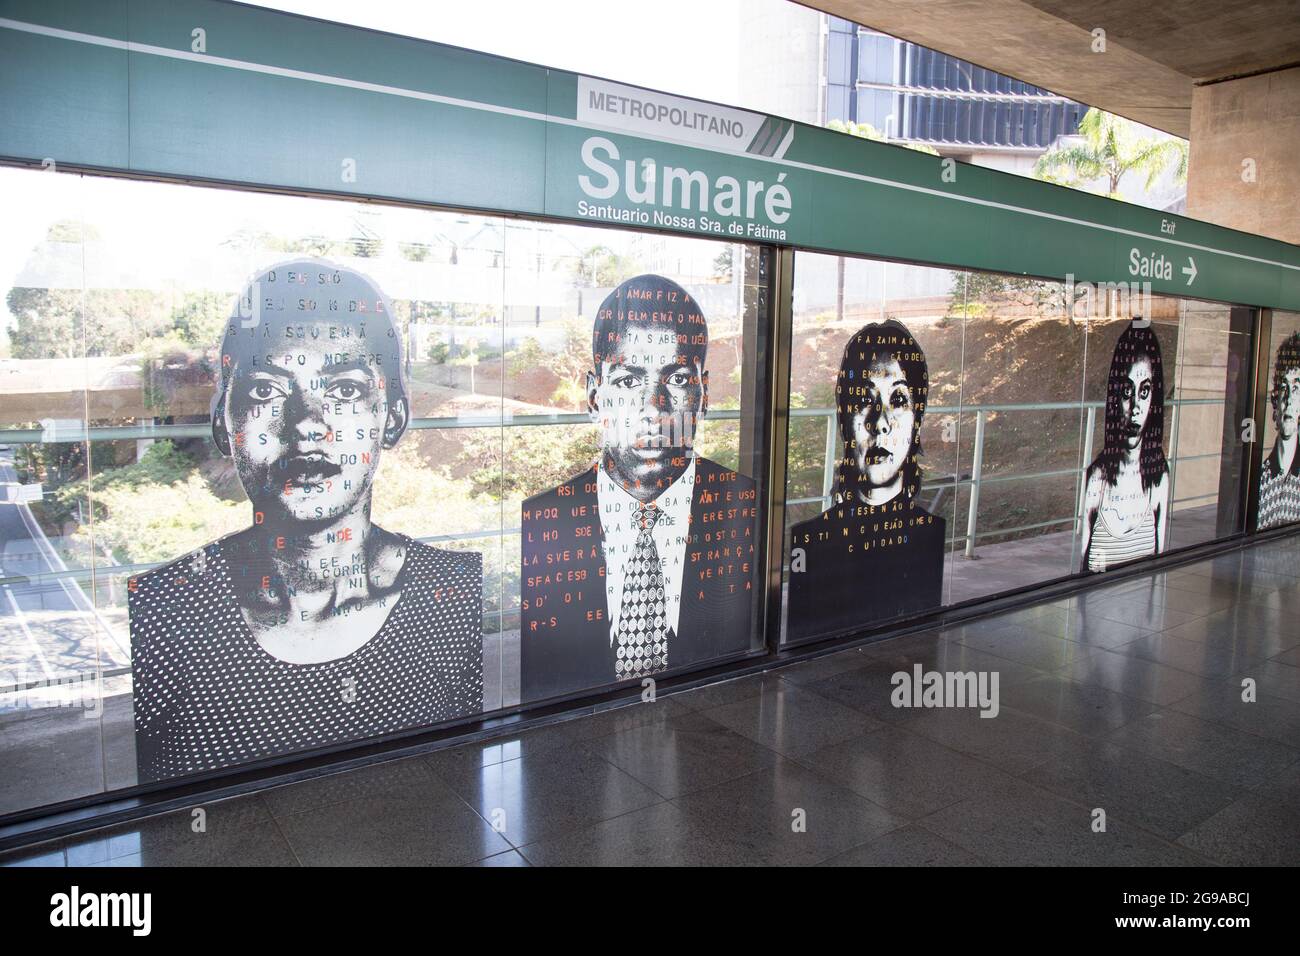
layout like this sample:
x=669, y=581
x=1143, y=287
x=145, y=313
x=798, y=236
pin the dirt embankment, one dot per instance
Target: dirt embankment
x=1015, y=357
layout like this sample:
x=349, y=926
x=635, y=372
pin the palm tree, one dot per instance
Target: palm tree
x=1111, y=148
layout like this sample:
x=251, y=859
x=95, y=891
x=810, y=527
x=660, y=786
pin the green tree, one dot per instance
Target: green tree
x=48, y=323
x=528, y=355
x=414, y=251
x=1111, y=148
x=571, y=364
x=200, y=319
x=69, y=323
x=53, y=464
x=806, y=451
x=977, y=294
x=724, y=263
x=439, y=350
x=515, y=461
x=469, y=358
x=152, y=510
x=601, y=266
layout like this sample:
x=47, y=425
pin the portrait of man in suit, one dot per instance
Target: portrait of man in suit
x=644, y=562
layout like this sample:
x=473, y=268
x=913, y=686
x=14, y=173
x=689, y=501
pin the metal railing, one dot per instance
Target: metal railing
x=974, y=481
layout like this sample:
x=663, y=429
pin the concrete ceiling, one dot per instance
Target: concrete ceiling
x=1155, y=52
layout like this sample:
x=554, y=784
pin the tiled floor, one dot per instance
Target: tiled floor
x=1127, y=698
x=96, y=755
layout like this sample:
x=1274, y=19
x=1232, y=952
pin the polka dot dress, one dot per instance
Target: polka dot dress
x=207, y=695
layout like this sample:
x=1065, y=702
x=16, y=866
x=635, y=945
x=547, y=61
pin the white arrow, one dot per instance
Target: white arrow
x=1189, y=270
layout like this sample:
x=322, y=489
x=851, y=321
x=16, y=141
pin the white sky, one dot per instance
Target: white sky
x=687, y=47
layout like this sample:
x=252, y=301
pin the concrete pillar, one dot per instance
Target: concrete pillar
x=1244, y=169
x=142, y=444
x=1244, y=173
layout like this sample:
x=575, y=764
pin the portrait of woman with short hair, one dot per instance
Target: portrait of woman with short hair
x=1126, y=488
x=876, y=552
x=312, y=626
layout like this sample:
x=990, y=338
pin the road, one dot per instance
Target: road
x=49, y=628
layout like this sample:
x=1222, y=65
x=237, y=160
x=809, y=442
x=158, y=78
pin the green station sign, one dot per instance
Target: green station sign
x=214, y=91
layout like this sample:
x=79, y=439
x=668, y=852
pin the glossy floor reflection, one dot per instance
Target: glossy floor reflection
x=1127, y=698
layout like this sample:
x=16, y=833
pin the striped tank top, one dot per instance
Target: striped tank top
x=1108, y=549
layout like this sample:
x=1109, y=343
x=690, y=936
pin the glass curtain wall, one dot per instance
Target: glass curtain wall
x=284, y=473
x=960, y=434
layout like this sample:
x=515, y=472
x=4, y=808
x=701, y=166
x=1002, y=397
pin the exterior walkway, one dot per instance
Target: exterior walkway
x=1126, y=698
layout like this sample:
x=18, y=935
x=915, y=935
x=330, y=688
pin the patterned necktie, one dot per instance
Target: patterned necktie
x=642, y=632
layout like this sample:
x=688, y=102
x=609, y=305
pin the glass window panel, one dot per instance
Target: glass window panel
x=294, y=438
x=56, y=651
x=134, y=312
x=1212, y=399
x=644, y=371
x=1131, y=388
x=872, y=443
x=1022, y=375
